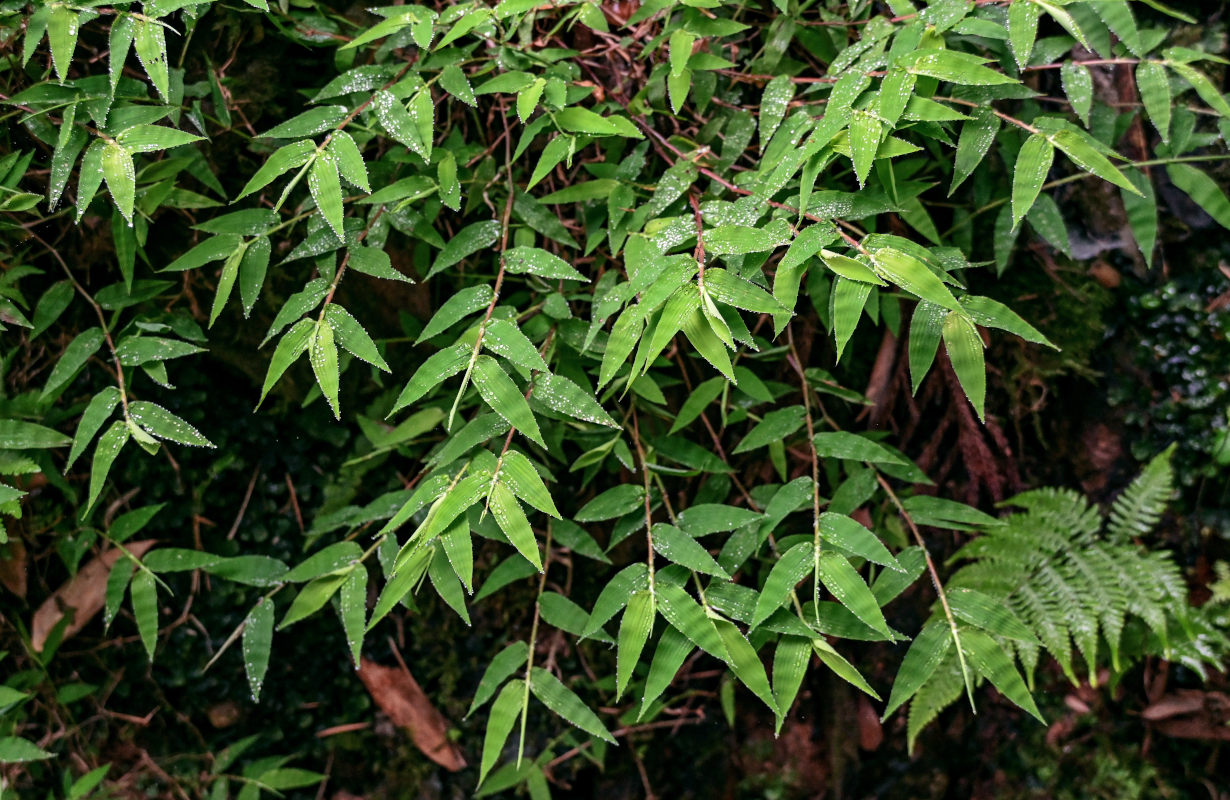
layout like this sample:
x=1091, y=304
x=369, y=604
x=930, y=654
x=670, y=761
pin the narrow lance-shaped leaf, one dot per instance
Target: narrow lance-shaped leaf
x=327, y=190
x=964, y=346
x=105, y=453
x=560, y=699
x=257, y=641
x=634, y=630
x=144, y=594
x=1033, y=162
x=508, y=706
x=499, y=392
x=354, y=610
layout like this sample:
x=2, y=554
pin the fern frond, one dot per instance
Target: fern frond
x=941, y=691
x=1140, y=506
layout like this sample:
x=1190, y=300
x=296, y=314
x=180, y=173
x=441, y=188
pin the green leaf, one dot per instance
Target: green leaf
x=776, y=426
x=1078, y=86
x=349, y=334
x=323, y=358
x=686, y=615
x=74, y=357
x=973, y=144
x=96, y=413
x=527, y=99
x=852, y=446
x=680, y=45
x=468, y=241
x=848, y=299
x=1142, y=213
x=105, y=452
x=676, y=546
x=996, y=666
x=744, y=662
x=561, y=700
x=150, y=138
x=740, y=239
x=1154, y=88
x=159, y=422
x=309, y=123
x=793, y=566
x=920, y=663
x=994, y=314
x=842, y=668
x=673, y=649
x=557, y=150
x=725, y=287
x=292, y=345
x=1023, y=30
x=14, y=750
x=458, y=547
x=1082, y=154
x=501, y=394
x=952, y=66
x=914, y=276
x=926, y=326
x=438, y=367
x=582, y=120
x=989, y=613
x=151, y=46
x=565, y=397
x=62, y=26
x=327, y=190
x=851, y=591
x=852, y=537
x=778, y=93
x=20, y=435
x=257, y=641
x=312, y=597
x=512, y=520
x=536, y=261
x=634, y=630
x=460, y=305
x=850, y=268
x=144, y=595
x=1033, y=162
x=121, y=177
x=354, y=610
x=1203, y=86
x=444, y=579
x=226, y=282
x=615, y=595
x=508, y=706
x=964, y=346
x=865, y=133
x=284, y=159
x=446, y=177
x=505, y=339
x=455, y=82
x=505, y=663
x=1205, y=191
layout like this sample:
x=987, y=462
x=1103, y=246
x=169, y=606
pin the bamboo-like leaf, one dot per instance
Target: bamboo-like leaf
x=913, y=275
x=676, y=546
x=841, y=667
x=326, y=190
x=457, y=307
x=1203, y=190
x=505, y=663
x=673, y=649
x=996, y=666
x=446, y=584
x=257, y=641
x=290, y=347
x=284, y=159
x=1078, y=86
x=144, y=594
x=851, y=591
x=964, y=346
x=109, y=446
x=349, y=160
x=1082, y=154
x=848, y=299
x=921, y=660
x=512, y=520
x=1023, y=30
x=952, y=66
x=852, y=537
x=560, y=699
x=354, y=610
x=323, y=358
x=614, y=596
x=745, y=664
x=634, y=630
x=159, y=422
x=505, y=339
x=499, y=392
x=562, y=395
x=121, y=178
x=508, y=706
x=151, y=47
x=1033, y=162
x=685, y=614
x=793, y=566
x=973, y=144
x=458, y=547
x=349, y=334
x=1154, y=88
x=790, y=660
x=865, y=132
x=519, y=475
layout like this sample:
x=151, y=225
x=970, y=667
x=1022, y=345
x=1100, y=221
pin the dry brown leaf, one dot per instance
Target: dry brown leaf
x=399, y=695
x=1191, y=714
x=85, y=593
x=13, y=567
